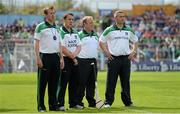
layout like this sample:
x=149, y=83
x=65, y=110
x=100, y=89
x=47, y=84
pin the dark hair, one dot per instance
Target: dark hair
x=45, y=10
x=65, y=16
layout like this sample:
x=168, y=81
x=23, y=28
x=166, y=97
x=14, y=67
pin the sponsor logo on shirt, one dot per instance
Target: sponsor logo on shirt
x=121, y=37
x=72, y=43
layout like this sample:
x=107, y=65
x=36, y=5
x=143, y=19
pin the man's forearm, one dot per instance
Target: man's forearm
x=67, y=52
x=103, y=47
x=78, y=49
x=135, y=46
x=36, y=47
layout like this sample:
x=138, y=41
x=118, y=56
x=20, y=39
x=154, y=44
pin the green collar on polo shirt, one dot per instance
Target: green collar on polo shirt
x=49, y=25
x=65, y=30
x=83, y=33
x=116, y=27
x=92, y=33
x=126, y=28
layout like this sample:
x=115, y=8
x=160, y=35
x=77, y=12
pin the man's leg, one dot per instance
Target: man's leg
x=90, y=89
x=53, y=81
x=83, y=73
x=64, y=79
x=73, y=84
x=42, y=80
x=125, y=81
x=112, y=76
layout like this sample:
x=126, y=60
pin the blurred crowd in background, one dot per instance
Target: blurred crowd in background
x=159, y=34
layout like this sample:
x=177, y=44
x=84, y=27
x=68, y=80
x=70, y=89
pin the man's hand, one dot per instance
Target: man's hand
x=39, y=62
x=62, y=63
x=104, y=47
x=75, y=61
x=108, y=54
x=132, y=55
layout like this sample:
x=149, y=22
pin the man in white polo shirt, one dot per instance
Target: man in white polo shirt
x=87, y=62
x=115, y=42
x=49, y=59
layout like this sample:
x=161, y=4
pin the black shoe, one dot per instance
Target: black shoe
x=54, y=108
x=92, y=106
x=129, y=105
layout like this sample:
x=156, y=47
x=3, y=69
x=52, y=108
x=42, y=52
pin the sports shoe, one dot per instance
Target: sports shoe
x=54, y=108
x=107, y=106
x=61, y=108
x=77, y=107
x=130, y=105
x=41, y=110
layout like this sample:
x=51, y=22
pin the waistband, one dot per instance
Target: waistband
x=88, y=59
x=119, y=56
x=49, y=53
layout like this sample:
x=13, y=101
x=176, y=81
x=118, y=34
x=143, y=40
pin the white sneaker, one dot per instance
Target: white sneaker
x=79, y=107
x=107, y=106
x=62, y=108
x=42, y=111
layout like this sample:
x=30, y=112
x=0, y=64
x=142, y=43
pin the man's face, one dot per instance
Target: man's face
x=89, y=25
x=69, y=21
x=120, y=18
x=51, y=15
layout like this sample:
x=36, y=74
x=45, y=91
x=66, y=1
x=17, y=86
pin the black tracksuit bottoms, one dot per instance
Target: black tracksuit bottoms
x=68, y=76
x=49, y=74
x=119, y=66
x=87, y=77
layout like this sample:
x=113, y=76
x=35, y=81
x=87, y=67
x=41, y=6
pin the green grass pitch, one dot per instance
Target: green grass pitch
x=152, y=92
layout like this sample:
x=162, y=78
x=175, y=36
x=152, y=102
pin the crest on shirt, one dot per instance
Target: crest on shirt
x=126, y=33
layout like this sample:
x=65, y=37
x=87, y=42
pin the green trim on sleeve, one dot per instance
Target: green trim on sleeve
x=62, y=33
x=41, y=27
x=81, y=35
x=108, y=30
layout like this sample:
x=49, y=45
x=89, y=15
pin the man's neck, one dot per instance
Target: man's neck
x=68, y=28
x=50, y=22
x=87, y=30
x=120, y=25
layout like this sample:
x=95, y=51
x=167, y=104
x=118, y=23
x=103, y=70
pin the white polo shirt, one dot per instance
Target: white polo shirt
x=89, y=45
x=48, y=36
x=71, y=39
x=118, y=40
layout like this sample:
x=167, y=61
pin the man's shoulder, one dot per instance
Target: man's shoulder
x=108, y=30
x=81, y=34
x=41, y=26
x=128, y=28
x=74, y=31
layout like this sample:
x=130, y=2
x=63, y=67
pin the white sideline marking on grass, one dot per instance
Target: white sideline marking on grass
x=141, y=111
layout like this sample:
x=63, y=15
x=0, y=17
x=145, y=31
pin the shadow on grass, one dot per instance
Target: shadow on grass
x=133, y=109
x=121, y=109
x=158, y=108
x=94, y=110
x=11, y=110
